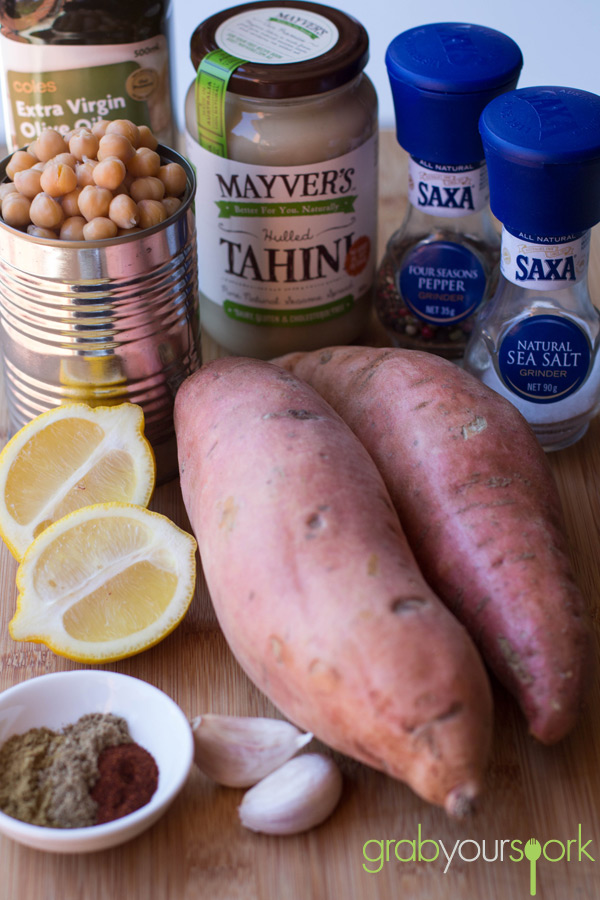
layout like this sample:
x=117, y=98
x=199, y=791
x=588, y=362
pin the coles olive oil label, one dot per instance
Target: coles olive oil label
x=285, y=247
x=65, y=87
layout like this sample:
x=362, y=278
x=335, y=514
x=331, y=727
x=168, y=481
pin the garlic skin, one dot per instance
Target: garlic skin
x=237, y=751
x=296, y=797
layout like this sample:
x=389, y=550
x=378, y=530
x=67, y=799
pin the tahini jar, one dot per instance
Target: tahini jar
x=282, y=129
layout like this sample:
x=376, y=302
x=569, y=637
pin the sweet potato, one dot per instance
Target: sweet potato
x=315, y=587
x=479, y=505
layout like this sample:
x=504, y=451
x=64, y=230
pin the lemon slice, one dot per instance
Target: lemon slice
x=105, y=582
x=69, y=457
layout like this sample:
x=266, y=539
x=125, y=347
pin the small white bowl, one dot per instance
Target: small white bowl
x=155, y=722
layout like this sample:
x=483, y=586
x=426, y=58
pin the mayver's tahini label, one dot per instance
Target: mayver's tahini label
x=542, y=264
x=449, y=191
x=286, y=246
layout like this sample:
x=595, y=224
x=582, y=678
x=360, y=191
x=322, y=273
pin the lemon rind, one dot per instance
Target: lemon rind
x=8, y=525
x=96, y=651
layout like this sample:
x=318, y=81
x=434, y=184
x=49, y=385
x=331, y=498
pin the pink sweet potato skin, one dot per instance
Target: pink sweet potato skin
x=479, y=505
x=315, y=587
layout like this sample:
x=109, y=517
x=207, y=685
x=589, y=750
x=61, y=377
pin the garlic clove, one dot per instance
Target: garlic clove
x=238, y=751
x=299, y=795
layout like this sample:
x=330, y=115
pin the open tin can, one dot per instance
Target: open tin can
x=103, y=322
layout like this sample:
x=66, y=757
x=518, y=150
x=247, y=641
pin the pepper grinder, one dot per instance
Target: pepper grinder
x=441, y=265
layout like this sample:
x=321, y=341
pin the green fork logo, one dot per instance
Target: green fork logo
x=533, y=851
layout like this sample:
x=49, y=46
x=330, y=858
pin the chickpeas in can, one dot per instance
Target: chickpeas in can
x=92, y=310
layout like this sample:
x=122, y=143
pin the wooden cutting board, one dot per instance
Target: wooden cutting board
x=199, y=850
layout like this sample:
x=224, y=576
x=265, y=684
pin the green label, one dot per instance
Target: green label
x=285, y=318
x=212, y=79
x=229, y=209
x=69, y=99
x=305, y=31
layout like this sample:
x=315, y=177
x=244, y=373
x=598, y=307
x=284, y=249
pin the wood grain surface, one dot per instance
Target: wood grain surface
x=199, y=849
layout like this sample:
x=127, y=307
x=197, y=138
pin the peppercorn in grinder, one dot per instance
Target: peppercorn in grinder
x=441, y=265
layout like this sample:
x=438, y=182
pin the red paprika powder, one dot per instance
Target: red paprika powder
x=128, y=779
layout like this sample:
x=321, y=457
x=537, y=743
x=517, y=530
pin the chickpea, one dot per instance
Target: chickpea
x=84, y=143
x=28, y=182
x=49, y=143
x=148, y=188
x=115, y=145
x=126, y=128
x=7, y=188
x=171, y=205
x=16, y=210
x=36, y=231
x=94, y=202
x=174, y=179
x=123, y=211
x=67, y=159
x=99, y=128
x=144, y=162
x=152, y=212
x=70, y=202
x=84, y=172
x=72, y=229
x=109, y=173
x=45, y=211
x=21, y=159
x=147, y=139
x=99, y=229
x=91, y=183
x=57, y=179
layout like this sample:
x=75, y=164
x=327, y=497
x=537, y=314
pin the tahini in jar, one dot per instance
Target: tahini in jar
x=68, y=63
x=282, y=129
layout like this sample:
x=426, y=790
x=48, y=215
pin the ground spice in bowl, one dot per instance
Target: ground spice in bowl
x=90, y=772
x=128, y=778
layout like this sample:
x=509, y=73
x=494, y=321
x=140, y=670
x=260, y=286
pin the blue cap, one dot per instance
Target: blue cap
x=442, y=76
x=542, y=146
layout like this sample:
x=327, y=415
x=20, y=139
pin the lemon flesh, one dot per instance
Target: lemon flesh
x=70, y=457
x=105, y=582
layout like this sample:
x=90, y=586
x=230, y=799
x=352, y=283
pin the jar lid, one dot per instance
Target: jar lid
x=542, y=146
x=293, y=48
x=442, y=75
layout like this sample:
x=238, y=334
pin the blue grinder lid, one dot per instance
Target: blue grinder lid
x=542, y=146
x=442, y=75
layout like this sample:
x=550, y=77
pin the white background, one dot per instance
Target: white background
x=560, y=39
